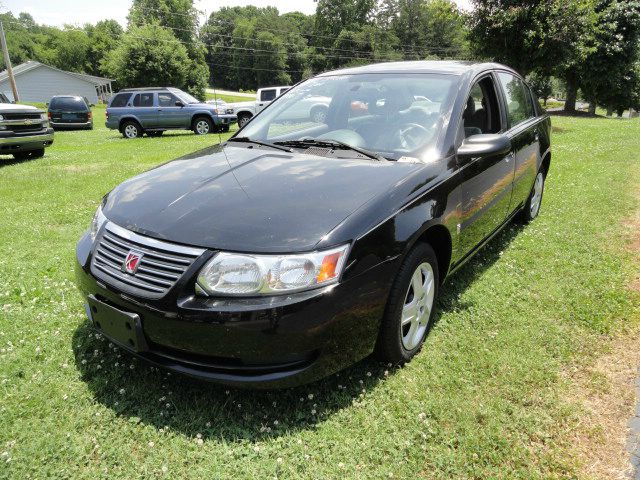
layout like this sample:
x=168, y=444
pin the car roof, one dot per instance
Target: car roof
x=450, y=67
x=142, y=89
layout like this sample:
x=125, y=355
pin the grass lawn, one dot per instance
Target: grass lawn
x=227, y=98
x=486, y=398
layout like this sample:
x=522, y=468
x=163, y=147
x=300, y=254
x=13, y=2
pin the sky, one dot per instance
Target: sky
x=78, y=12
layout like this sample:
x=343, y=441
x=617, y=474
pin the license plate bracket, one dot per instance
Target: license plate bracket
x=123, y=328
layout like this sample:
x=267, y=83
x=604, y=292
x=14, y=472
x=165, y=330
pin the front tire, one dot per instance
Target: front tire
x=202, y=126
x=532, y=206
x=243, y=120
x=410, y=307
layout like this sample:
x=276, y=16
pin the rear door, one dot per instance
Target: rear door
x=486, y=180
x=171, y=115
x=145, y=110
x=522, y=129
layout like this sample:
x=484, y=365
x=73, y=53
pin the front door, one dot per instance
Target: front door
x=486, y=180
x=171, y=115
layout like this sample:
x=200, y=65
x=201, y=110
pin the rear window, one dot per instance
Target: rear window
x=68, y=103
x=120, y=100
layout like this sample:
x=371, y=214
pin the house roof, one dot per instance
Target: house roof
x=32, y=64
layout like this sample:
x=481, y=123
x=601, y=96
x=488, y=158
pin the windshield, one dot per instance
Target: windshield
x=394, y=115
x=185, y=97
x=75, y=104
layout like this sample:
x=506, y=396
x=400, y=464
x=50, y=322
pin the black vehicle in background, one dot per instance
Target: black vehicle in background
x=298, y=247
x=71, y=112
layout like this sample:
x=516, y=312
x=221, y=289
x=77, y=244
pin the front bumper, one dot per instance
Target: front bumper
x=226, y=119
x=12, y=142
x=272, y=342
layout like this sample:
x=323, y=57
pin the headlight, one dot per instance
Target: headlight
x=215, y=110
x=96, y=223
x=242, y=274
x=1, y=117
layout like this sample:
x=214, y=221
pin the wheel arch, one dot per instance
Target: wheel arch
x=128, y=118
x=439, y=237
x=546, y=163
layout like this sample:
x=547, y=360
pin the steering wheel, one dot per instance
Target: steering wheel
x=410, y=135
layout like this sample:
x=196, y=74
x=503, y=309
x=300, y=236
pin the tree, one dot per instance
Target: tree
x=541, y=84
x=609, y=75
x=159, y=59
x=549, y=36
x=180, y=16
x=103, y=38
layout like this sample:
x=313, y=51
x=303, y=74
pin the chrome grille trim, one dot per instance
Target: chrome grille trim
x=161, y=266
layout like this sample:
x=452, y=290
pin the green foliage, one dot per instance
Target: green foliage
x=160, y=59
x=609, y=74
x=542, y=85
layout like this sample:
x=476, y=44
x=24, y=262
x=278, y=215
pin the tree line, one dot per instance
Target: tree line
x=568, y=47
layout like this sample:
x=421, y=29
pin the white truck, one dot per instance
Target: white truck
x=24, y=130
x=246, y=110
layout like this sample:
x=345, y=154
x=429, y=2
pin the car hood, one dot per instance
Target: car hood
x=249, y=199
x=17, y=108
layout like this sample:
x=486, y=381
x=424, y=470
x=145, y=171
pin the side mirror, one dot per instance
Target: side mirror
x=484, y=145
x=47, y=104
x=179, y=103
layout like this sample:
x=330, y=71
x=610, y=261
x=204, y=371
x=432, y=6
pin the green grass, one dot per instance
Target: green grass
x=228, y=98
x=484, y=399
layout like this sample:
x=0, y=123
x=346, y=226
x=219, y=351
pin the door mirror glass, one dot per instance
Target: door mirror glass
x=484, y=145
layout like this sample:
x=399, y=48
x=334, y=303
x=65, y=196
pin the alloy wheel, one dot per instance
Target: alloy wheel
x=202, y=127
x=418, y=303
x=536, y=197
x=131, y=131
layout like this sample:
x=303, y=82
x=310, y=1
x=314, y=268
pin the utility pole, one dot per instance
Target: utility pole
x=7, y=62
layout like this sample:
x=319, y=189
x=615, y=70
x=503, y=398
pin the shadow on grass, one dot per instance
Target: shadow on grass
x=6, y=162
x=145, y=394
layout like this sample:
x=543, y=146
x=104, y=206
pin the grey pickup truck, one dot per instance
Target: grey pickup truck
x=24, y=130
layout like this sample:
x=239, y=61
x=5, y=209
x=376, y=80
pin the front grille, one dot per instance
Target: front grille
x=161, y=266
x=34, y=127
x=21, y=116
x=229, y=110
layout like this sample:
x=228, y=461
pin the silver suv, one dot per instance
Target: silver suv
x=136, y=111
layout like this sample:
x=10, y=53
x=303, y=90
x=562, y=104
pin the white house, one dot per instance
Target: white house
x=38, y=82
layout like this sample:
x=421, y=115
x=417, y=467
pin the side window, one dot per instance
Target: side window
x=482, y=114
x=166, y=99
x=268, y=95
x=519, y=106
x=282, y=90
x=143, y=100
x=120, y=100
x=531, y=109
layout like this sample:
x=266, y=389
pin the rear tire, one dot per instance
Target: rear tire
x=131, y=129
x=531, y=208
x=410, y=307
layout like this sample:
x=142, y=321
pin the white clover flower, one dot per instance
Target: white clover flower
x=279, y=460
x=122, y=391
x=310, y=396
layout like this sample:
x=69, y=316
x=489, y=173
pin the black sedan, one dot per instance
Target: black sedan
x=297, y=248
x=70, y=112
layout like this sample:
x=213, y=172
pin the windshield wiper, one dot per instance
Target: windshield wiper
x=258, y=142
x=306, y=143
